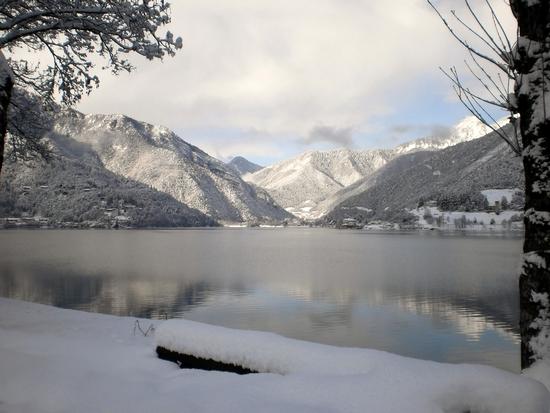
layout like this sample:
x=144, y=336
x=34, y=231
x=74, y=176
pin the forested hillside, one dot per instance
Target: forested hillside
x=463, y=169
x=74, y=188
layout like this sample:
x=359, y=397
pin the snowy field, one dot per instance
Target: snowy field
x=55, y=360
x=480, y=221
x=496, y=195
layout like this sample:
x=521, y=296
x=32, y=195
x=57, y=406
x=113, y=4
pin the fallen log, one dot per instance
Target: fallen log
x=186, y=361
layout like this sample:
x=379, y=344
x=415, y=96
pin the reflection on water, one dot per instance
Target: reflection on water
x=445, y=298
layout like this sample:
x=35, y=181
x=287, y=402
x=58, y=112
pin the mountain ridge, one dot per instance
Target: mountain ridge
x=305, y=184
x=74, y=189
x=155, y=156
x=465, y=168
x=243, y=166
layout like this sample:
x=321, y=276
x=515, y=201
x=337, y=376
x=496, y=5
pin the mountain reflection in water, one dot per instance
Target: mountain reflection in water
x=440, y=297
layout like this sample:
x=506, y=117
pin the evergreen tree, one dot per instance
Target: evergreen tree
x=504, y=203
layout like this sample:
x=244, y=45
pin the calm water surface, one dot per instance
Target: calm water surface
x=432, y=296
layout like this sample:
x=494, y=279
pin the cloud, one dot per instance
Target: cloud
x=288, y=66
x=417, y=130
x=440, y=131
x=226, y=144
x=281, y=66
x=248, y=149
x=402, y=129
x=338, y=136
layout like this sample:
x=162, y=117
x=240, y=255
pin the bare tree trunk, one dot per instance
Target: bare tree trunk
x=6, y=86
x=532, y=90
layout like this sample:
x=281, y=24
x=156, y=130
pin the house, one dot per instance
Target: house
x=350, y=223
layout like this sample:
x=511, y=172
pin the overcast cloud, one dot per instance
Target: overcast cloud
x=416, y=130
x=337, y=136
x=286, y=68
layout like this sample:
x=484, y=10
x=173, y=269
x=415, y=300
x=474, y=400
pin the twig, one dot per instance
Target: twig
x=137, y=326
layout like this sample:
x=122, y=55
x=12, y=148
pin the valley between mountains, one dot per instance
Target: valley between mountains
x=112, y=170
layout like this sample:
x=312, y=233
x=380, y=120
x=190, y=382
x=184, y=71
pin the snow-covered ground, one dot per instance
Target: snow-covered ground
x=506, y=220
x=55, y=360
x=496, y=195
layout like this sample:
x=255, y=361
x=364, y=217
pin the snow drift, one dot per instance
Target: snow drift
x=65, y=361
x=420, y=385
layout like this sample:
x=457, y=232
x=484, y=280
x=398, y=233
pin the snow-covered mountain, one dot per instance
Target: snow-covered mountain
x=466, y=168
x=299, y=184
x=155, y=156
x=243, y=166
x=307, y=185
x=468, y=129
x=396, y=166
x=74, y=188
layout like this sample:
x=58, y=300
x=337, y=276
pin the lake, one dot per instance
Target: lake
x=439, y=296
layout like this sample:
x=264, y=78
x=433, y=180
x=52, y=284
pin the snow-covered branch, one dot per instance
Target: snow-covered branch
x=70, y=31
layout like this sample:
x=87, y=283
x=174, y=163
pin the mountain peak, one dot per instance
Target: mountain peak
x=467, y=129
x=302, y=183
x=298, y=184
x=155, y=156
x=243, y=166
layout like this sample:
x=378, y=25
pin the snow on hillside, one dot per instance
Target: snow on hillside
x=74, y=189
x=300, y=183
x=307, y=186
x=433, y=217
x=155, y=156
x=468, y=129
x=462, y=170
x=496, y=195
x=397, y=166
x=55, y=360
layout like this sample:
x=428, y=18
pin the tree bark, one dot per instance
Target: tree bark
x=532, y=89
x=6, y=87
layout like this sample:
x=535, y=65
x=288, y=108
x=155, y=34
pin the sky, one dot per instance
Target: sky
x=270, y=79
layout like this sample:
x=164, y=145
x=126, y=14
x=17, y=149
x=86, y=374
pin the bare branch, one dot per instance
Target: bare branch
x=496, y=47
x=501, y=33
x=498, y=90
x=503, y=93
x=489, y=42
x=499, y=65
x=456, y=81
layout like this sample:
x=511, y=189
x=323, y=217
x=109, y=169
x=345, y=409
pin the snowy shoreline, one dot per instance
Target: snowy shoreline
x=56, y=360
x=387, y=227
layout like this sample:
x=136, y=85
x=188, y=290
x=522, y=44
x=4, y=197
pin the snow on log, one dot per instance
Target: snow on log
x=451, y=387
x=186, y=361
